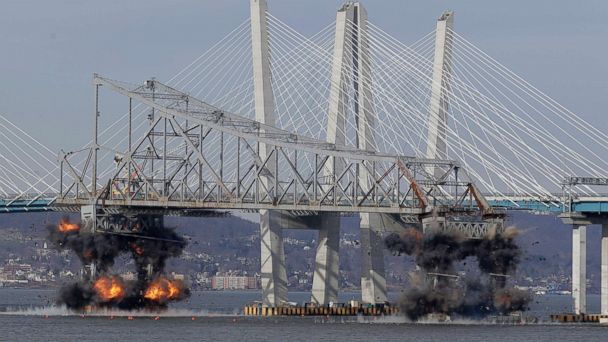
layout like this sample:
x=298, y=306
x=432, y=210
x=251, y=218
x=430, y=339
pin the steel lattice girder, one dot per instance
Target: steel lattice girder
x=395, y=184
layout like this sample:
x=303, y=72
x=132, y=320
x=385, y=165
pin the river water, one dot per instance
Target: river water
x=28, y=315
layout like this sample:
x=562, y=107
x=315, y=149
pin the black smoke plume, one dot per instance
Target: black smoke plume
x=150, y=248
x=444, y=292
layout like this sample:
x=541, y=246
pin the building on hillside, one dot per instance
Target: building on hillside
x=229, y=282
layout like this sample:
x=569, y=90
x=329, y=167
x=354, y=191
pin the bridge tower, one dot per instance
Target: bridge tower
x=440, y=86
x=351, y=47
x=439, y=105
x=274, y=276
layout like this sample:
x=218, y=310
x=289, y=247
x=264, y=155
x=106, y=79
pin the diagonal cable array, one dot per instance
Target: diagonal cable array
x=24, y=165
x=511, y=138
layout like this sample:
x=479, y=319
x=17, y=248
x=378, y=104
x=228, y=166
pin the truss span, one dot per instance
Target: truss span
x=177, y=163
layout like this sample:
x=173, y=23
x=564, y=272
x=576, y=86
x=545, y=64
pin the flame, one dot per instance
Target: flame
x=109, y=288
x=65, y=226
x=137, y=248
x=163, y=289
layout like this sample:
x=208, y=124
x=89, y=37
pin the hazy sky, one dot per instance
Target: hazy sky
x=49, y=49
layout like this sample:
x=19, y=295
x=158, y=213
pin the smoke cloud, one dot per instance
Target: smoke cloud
x=150, y=248
x=442, y=291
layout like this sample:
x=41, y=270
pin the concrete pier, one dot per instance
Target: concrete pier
x=325, y=284
x=579, y=268
x=604, y=275
x=373, y=281
x=88, y=223
x=580, y=222
x=274, y=275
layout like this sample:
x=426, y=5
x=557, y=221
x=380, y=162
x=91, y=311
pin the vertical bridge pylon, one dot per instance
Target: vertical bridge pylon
x=351, y=42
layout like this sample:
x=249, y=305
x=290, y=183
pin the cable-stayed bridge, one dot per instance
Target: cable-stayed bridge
x=435, y=134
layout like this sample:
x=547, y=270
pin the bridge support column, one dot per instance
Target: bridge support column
x=88, y=223
x=373, y=281
x=604, y=275
x=325, y=284
x=274, y=276
x=579, y=268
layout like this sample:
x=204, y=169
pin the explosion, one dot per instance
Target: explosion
x=149, y=247
x=163, y=289
x=443, y=291
x=109, y=288
x=66, y=227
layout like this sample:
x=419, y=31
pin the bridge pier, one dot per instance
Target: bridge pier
x=88, y=223
x=579, y=222
x=604, y=270
x=579, y=268
x=325, y=284
x=373, y=281
x=274, y=275
x=327, y=260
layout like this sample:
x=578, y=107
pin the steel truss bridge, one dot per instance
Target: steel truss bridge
x=434, y=134
x=282, y=180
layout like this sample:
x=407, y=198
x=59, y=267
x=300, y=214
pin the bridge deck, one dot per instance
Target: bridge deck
x=581, y=205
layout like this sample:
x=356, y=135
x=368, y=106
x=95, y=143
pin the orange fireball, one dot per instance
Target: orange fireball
x=65, y=226
x=163, y=289
x=110, y=288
